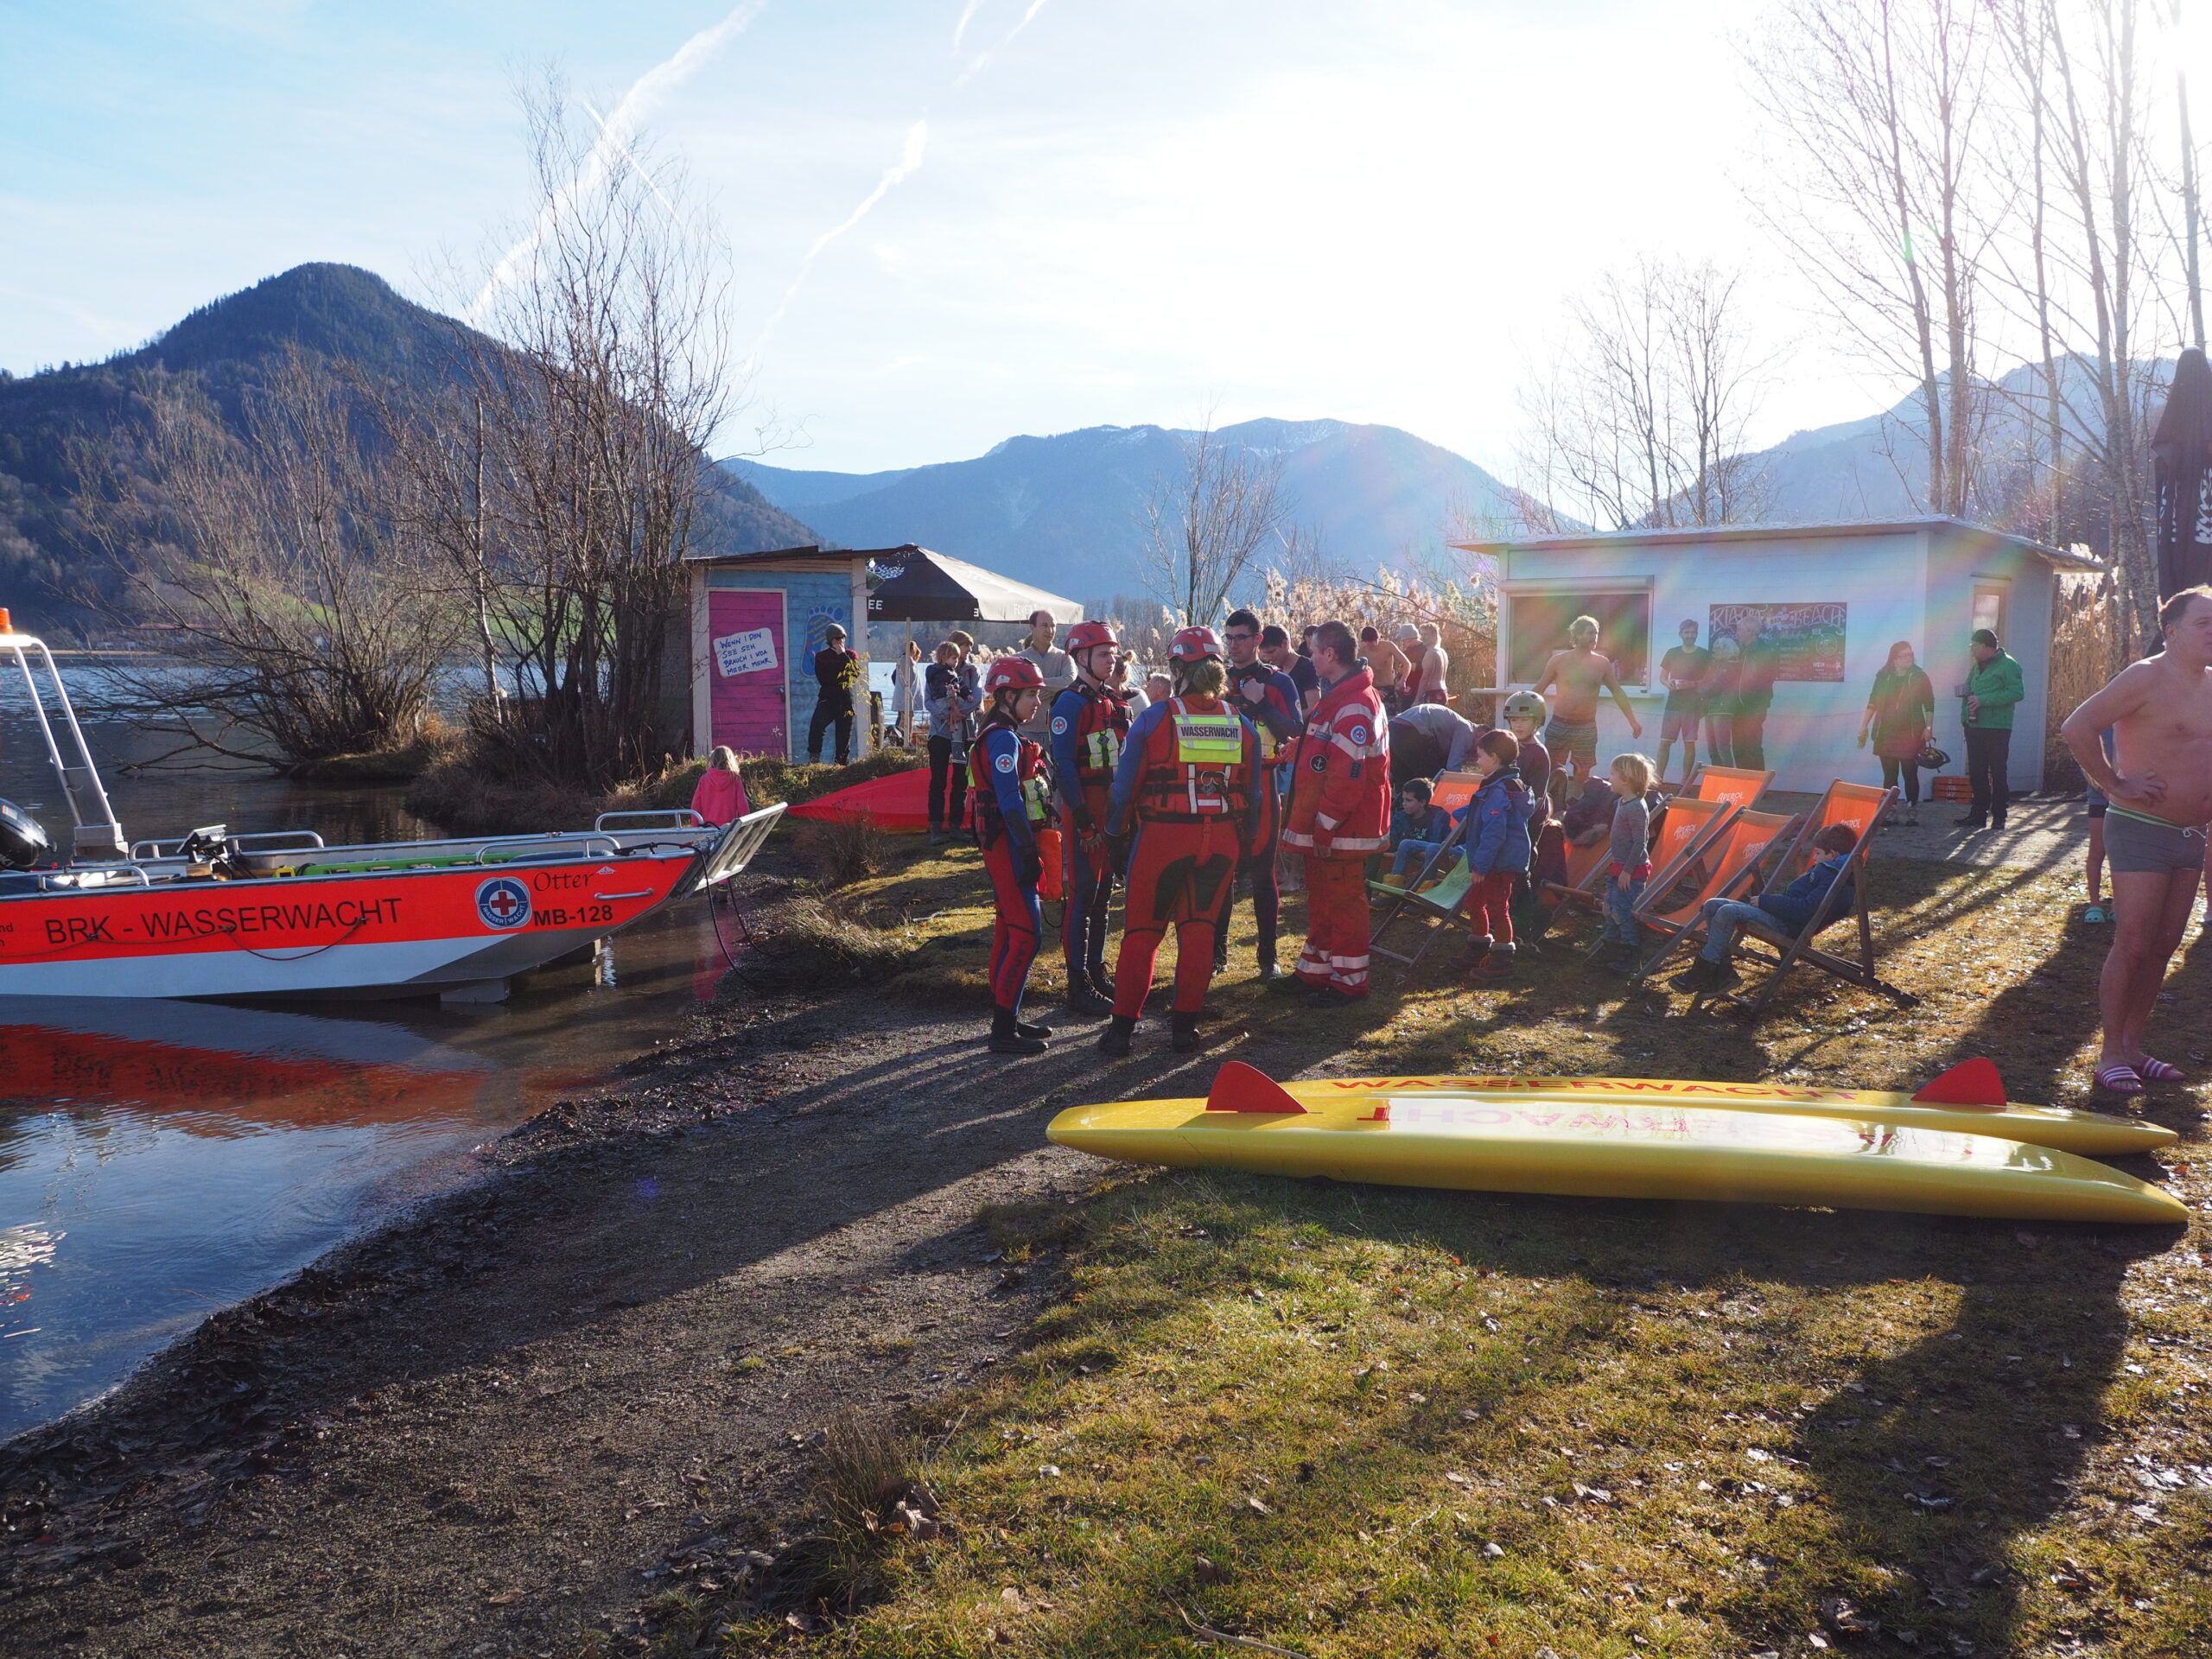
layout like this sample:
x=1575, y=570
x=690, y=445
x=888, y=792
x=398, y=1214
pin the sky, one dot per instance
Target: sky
x=951, y=220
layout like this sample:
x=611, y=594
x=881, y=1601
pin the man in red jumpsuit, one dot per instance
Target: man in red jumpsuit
x=1186, y=806
x=1090, y=725
x=1339, y=814
x=1013, y=795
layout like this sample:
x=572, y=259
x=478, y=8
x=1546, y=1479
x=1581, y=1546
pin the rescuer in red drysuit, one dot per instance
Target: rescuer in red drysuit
x=1013, y=796
x=1339, y=813
x=1269, y=698
x=1090, y=725
x=1186, y=810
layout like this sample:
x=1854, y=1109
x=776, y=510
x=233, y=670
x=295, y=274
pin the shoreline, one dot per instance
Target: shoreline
x=295, y=1436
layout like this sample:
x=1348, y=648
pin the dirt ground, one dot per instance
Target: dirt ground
x=500, y=1427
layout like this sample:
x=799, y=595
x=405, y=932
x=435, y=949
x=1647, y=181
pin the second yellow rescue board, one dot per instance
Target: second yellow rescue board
x=1591, y=1143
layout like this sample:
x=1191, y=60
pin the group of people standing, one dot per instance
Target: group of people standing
x=1726, y=688
x=1176, y=800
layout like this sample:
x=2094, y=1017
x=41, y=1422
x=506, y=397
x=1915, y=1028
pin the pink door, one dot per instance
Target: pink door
x=746, y=641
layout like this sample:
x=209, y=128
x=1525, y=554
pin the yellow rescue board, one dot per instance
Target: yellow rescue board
x=2093, y=1135
x=1622, y=1146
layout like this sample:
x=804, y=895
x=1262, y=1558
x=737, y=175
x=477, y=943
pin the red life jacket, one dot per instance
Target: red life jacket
x=1100, y=730
x=1036, y=788
x=1199, y=763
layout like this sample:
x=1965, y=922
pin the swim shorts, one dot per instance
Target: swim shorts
x=1678, y=725
x=1570, y=742
x=2137, y=844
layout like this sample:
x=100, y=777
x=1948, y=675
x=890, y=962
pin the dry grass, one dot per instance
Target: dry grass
x=1360, y=1421
x=841, y=851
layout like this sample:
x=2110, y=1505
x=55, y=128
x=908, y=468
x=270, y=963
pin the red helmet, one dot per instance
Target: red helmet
x=1084, y=635
x=1012, y=674
x=1194, y=646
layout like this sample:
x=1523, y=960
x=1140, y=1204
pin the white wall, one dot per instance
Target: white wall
x=1810, y=733
x=1955, y=565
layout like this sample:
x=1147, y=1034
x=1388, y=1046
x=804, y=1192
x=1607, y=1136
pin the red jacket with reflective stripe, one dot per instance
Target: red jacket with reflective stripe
x=1340, y=773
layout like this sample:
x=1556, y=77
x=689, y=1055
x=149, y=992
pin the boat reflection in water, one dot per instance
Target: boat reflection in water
x=159, y=1161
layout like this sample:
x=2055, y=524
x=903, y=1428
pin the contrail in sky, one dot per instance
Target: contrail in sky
x=646, y=93
x=983, y=58
x=966, y=16
x=910, y=158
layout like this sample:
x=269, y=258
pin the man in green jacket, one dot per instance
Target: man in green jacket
x=1993, y=686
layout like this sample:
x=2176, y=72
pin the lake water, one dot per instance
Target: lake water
x=159, y=1161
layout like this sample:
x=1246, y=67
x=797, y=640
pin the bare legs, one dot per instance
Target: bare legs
x=2151, y=911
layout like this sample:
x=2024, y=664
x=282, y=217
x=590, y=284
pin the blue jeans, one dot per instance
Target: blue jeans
x=1620, y=909
x=1722, y=917
x=1416, y=853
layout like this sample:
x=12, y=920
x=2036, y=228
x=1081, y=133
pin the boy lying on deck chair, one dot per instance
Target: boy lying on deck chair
x=1791, y=909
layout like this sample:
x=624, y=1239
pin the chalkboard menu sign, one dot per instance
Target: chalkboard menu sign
x=1808, y=637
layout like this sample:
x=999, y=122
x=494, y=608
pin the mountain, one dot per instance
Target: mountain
x=1062, y=511
x=1877, y=466
x=338, y=314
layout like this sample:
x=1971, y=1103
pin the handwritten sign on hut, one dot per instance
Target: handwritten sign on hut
x=753, y=651
x=1809, y=637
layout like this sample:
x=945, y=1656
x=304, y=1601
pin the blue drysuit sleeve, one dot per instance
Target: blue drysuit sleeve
x=1256, y=807
x=1067, y=711
x=1002, y=764
x=1132, y=768
x=1280, y=710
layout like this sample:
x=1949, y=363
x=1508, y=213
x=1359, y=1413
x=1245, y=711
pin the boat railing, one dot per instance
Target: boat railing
x=650, y=817
x=555, y=846
x=257, y=841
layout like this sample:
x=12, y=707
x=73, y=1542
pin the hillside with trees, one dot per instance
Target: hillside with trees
x=347, y=322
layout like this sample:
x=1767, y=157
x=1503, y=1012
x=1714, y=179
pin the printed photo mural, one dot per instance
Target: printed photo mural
x=1809, y=637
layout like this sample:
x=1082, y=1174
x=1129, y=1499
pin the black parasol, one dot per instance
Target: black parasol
x=2181, y=450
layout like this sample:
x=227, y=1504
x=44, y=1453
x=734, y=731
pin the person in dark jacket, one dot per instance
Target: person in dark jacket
x=952, y=693
x=836, y=671
x=1791, y=908
x=1901, y=714
x=1496, y=841
x=1756, y=670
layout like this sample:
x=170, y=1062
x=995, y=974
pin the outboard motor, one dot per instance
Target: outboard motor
x=23, y=840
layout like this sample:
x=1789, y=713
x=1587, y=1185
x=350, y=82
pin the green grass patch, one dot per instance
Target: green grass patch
x=1365, y=1421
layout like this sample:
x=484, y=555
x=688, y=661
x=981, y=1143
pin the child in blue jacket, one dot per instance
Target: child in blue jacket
x=1497, y=840
x=1791, y=908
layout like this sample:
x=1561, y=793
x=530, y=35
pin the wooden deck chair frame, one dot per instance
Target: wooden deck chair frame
x=1458, y=790
x=1725, y=883
x=1718, y=816
x=1789, y=949
x=1429, y=908
x=1580, y=888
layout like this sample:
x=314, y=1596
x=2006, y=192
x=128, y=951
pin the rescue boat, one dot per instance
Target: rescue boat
x=280, y=914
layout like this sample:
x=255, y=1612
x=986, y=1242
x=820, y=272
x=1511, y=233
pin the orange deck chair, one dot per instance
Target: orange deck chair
x=1862, y=806
x=1727, y=867
x=1738, y=785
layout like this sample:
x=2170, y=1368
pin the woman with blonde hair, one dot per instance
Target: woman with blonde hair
x=720, y=797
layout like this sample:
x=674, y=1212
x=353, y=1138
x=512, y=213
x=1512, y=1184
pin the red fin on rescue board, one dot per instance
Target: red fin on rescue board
x=1240, y=1088
x=1970, y=1083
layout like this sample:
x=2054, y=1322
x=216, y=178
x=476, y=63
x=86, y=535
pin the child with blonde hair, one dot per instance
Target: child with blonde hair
x=1630, y=854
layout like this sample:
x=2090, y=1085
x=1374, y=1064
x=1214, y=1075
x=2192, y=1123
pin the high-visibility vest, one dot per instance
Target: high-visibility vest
x=1200, y=771
x=1100, y=730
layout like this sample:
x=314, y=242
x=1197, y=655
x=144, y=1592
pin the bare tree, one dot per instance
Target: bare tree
x=1643, y=416
x=278, y=561
x=1203, y=527
x=568, y=481
x=1887, y=194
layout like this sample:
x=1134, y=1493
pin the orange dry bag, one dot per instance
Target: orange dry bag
x=1052, y=882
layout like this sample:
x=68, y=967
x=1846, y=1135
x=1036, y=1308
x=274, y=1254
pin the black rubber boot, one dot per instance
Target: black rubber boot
x=1183, y=1034
x=1101, y=981
x=1006, y=1037
x=1032, y=1027
x=1114, y=1041
x=1083, y=998
x=1701, y=976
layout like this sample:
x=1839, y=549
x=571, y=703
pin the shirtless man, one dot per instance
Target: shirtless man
x=1580, y=672
x=2160, y=784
